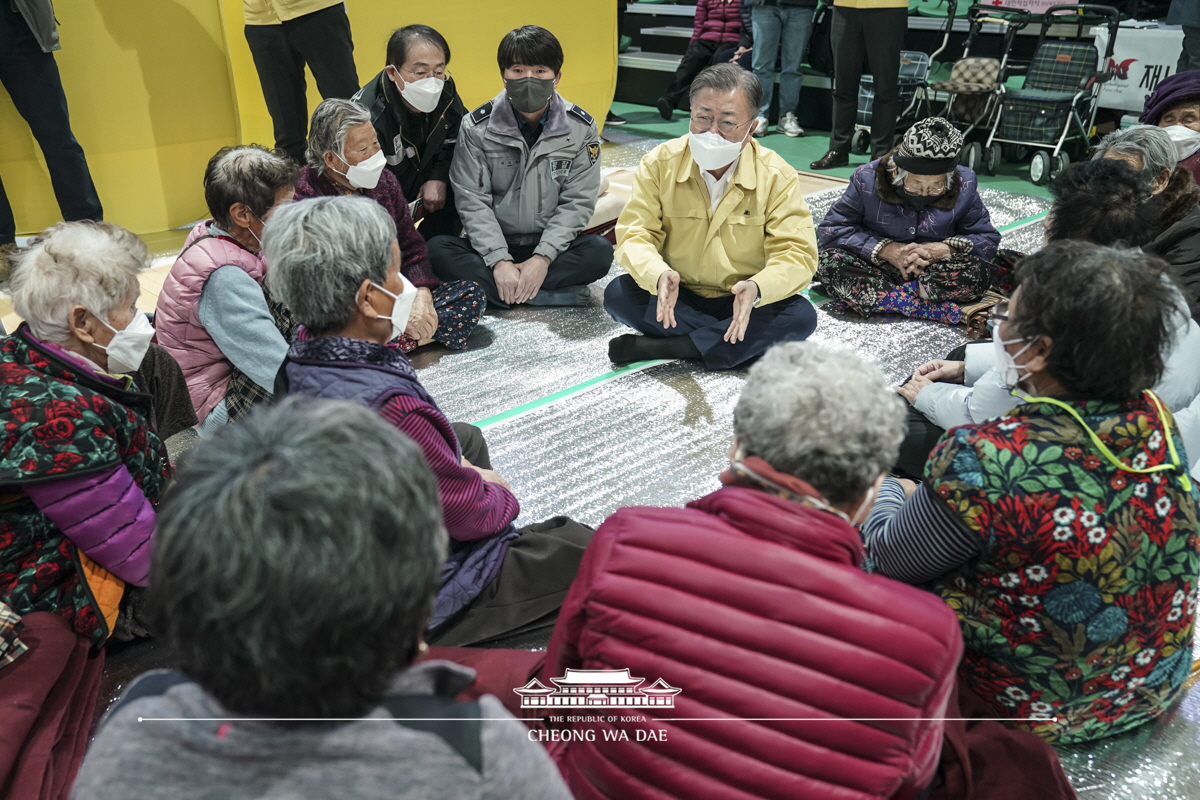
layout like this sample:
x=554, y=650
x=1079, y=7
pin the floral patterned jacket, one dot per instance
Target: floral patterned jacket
x=61, y=421
x=1080, y=609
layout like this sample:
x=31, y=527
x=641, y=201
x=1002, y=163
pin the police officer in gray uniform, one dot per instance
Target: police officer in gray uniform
x=526, y=173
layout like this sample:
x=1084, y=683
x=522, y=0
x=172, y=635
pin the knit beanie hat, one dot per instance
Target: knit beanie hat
x=930, y=147
x=1171, y=91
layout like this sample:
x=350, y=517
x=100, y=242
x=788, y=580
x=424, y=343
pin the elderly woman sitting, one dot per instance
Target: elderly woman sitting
x=1175, y=106
x=1063, y=533
x=344, y=157
x=81, y=470
x=316, y=612
x=1175, y=208
x=213, y=315
x=336, y=263
x=910, y=235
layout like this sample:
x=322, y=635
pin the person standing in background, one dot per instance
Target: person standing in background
x=28, y=39
x=1187, y=14
x=283, y=36
x=717, y=23
x=866, y=33
x=776, y=24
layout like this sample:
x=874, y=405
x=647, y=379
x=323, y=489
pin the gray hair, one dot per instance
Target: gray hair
x=249, y=174
x=318, y=528
x=726, y=78
x=331, y=122
x=320, y=251
x=89, y=264
x=1149, y=144
x=822, y=414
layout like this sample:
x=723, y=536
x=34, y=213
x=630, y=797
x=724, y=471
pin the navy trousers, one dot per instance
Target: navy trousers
x=32, y=80
x=706, y=319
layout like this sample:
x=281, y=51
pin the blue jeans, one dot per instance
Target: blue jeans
x=792, y=24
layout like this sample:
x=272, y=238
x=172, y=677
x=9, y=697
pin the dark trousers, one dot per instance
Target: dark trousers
x=587, y=259
x=533, y=581
x=321, y=40
x=699, y=54
x=706, y=319
x=32, y=80
x=871, y=38
x=1189, y=56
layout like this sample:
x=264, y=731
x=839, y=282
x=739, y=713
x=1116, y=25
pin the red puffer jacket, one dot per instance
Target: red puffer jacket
x=753, y=606
x=717, y=21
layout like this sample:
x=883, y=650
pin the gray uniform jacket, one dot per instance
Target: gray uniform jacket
x=40, y=16
x=509, y=194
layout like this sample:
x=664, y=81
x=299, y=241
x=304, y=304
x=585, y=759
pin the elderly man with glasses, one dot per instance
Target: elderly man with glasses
x=716, y=239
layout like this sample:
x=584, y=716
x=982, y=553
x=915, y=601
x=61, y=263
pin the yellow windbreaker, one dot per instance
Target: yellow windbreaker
x=273, y=12
x=761, y=231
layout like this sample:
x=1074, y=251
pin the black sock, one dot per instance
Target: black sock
x=631, y=347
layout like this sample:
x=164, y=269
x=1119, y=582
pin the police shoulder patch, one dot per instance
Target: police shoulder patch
x=583, y=115
x=593, y=151
x=482, y=113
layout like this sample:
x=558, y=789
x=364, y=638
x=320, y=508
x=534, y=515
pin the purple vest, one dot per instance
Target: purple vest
x=338, y=369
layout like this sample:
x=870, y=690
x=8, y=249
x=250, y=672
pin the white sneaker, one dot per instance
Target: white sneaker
x=789, y=126
x=761, y=129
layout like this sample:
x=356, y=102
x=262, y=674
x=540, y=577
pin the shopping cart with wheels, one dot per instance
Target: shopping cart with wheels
x=973, y=89
x=1057, y=104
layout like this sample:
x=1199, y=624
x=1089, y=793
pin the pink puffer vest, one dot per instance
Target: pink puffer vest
x=177, y=317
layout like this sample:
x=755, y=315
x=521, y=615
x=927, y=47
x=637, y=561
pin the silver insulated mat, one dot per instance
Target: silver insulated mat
x=590, y=439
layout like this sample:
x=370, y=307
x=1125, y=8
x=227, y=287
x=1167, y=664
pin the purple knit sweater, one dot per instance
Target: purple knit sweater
x=414, y=256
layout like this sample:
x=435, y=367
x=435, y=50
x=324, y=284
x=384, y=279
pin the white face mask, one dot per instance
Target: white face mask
x=423, y=95
x=127, y=347
x=365, y=174
x=1187, y=141
x=402, y=308
x=711, y=151
x=1006, y=362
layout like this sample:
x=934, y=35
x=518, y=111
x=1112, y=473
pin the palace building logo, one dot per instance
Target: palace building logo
x=597, y=688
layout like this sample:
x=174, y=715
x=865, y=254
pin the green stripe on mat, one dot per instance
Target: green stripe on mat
x=570, y=391
x=1023, y=222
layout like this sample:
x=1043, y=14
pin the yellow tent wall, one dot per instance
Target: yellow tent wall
x=155, y=87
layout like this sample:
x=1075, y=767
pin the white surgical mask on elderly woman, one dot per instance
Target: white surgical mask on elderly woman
x=402, y=308
x=127, y=347
x=1186, y=140
x=365, y=174
x=1006, y=362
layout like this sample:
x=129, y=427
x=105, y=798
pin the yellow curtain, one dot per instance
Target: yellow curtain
x=155, y=87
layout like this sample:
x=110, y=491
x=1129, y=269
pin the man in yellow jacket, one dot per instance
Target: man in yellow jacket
x=865, y=33
x=283, y=36
x=716, y=238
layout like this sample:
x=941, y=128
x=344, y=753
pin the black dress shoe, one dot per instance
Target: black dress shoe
x=830, y=160
x=665, y=107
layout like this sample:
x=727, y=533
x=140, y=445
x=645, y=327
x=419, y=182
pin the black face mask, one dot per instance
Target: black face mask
x=917, y=201
x=529, y=95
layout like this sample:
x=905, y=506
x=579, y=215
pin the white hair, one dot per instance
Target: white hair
x=89, y=264
x=321, y=250
x=1149, y=144
x=822, y=414
x=331, y=122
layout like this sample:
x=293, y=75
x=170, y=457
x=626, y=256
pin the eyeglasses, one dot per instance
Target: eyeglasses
x=999, y=313
x=935, y=189
x=423, y=74
x=727, y=127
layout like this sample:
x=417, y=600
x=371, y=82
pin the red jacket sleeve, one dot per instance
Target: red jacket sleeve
x=472, y=507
